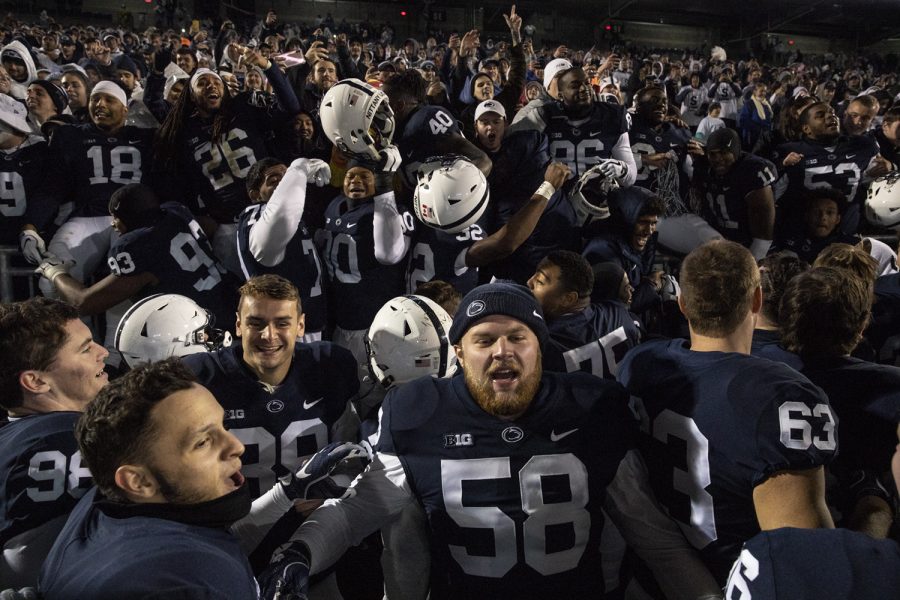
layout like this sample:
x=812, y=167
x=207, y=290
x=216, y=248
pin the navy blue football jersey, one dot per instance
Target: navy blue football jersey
x=102, y=554
x=812, y=564
x=439, y=255
x=279, y=426
x=767, y=344
x=23, y=198
x=513, y=507
x=867, y=398
x=582, y=143
x=646, y=139
x=87, y=165
x=359, y=284
x=883, y=333
x=417, y=140
x=841, y=166
x=717, y=424
x=178, y=253
x=594, y=340
x=41, y=474
x=724, y=198
x=301, y=265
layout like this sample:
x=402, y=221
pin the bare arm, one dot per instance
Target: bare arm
x=104, y=294
x=792, y=499
x=513, y=234
x=761, y=214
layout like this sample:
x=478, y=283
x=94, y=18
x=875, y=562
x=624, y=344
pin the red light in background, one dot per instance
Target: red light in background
x=790, y=42
x=607, y=27
x=402, y=13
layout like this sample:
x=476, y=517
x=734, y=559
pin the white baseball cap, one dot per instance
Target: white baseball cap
x=554, y=68
x=13, y=113
x=489, y=106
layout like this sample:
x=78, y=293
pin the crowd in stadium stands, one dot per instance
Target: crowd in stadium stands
x=613, y=322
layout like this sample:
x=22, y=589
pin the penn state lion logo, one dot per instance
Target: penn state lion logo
x=475, y=308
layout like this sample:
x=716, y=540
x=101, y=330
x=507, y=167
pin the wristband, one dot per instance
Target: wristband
x=546, y=190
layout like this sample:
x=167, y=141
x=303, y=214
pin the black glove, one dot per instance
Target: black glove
x=287, y=576
x=328, y=472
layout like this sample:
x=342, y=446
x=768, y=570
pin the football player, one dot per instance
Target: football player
x=210, y=156
x=513, y=487
x=424, y=131
x=630, y=241
x=821, y=225
x=50, y=371
x=584, y=336
x=455, y=191
x=584, y=132
x=364, y=243
x=161, y=250
x=690, y=98
x=825, y=158
x=282, y=399
x=864, y=394
x=655, y=141
x=22, y=175
x=519, y=158
x=775, y=271
x=169, y=487
x=736, y=188
x=721, y=478
x=273, y=238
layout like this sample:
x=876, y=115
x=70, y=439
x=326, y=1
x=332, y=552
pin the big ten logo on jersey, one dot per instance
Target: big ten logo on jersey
x=268, y=455
x=234, y=414
x=578, y=154
x=222, y=162
x=474, y=491
x=600, y=357
x=456, y=440
x=116, y=164
x=687, y=462
x=55, y=474
x=440, y=123
x=12, y=194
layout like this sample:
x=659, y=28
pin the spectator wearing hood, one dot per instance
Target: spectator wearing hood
x=19, y=63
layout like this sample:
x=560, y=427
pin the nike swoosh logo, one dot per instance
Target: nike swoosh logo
x=675, y=145
x=850, y=155
x=555, y=437
x=595, y=133
x=349, y=225
x=535, y=313
x=308, y=405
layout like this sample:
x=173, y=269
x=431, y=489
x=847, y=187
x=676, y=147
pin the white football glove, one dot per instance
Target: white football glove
x=52, y=267
x=316, y=171
x=390, y=160
x=613, y=169
x=32, y=246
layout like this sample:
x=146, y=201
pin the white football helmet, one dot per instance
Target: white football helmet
x=589, y=194
x=165, y=325
x=357, y=118
x=451, y=193
x=408, y=339
x=883, y=201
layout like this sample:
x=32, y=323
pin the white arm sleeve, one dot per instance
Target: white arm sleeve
x=264, y=512
x=390, y=243
x=622, y=151
x=654, y=536
x=381, y=494
x=279, y=220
